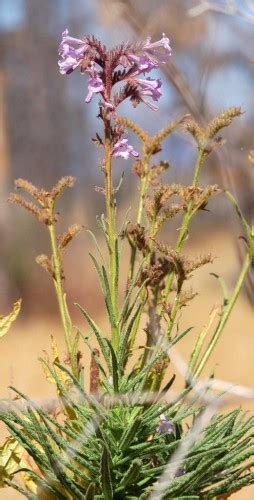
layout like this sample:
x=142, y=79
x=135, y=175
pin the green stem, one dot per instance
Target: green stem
x=112, y=238
x=225, y=315
x=58, y=282
x=200, y=159
x=184, y=229
x=142, y=194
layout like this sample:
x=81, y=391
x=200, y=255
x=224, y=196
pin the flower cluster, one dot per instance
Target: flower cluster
x=121, y=64
x=105, y=68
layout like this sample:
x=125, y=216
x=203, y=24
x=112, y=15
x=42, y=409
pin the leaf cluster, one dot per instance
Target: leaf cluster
x=115, y=451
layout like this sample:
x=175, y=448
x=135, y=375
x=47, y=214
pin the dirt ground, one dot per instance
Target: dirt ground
x=232, y=359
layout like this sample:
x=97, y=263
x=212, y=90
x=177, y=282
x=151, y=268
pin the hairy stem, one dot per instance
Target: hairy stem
x=184, y=229
x=58, y=282
x=112, y=237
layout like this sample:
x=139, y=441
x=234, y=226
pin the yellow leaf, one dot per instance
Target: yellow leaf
x=54, y=349
x=56, y=358
x=29, y=482
x=6, y=321
x=10, y=458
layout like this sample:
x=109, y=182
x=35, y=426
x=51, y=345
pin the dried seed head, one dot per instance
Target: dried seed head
x=65, y=238
x=28, y=187
x=169, y=128
x=128, y=123
x=224, y=119
x=165, y=249
x=45, y=263
x=189, y=265
x=138, y=168
x=202, y=196
x=61, y=185
x=196, y=131
x=155, y=273
x=168, y=213
x=152, y=146
x=186, y=296
x=40, y=195
x=137, y=237
x=156, y=170
x=161, y=195
x=176, y=261
x=205, y=137
x=27, y=205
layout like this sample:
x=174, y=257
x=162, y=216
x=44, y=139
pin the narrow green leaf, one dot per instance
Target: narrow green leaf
x=125, y=221
x=72, y=452
x=90, y=493
x=166, y=388
x=97, y=359
x=46, y=485
x=37, y=455
x=108, y=299
x=141, y=375
x=130, y=433
x=131, y=476
x=176, y=339
x=114, y=367
x=223, y=286
x=87, y=397
x=127, y=306
x=105, y=475
x=101, y=221
x=116, y=264
x=124, y=337
x=96, y=243
x=99, y=272
x=191, y=497
x=101, y=340
x=229, y=485
x=240, y=214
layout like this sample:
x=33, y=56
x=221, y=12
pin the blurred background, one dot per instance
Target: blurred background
x=46, y=127
x=45, y=133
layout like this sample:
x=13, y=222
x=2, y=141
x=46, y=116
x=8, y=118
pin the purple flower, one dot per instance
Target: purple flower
x=95, y=83
x=150, y=55
x=71, y=57
x=165, y=425
x=153, y=49
x=148, y=88
x=94, y=59
x=123, y=149
x=180, y=472
x=142, y=64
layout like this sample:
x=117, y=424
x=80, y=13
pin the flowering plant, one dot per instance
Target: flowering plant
x=127, y=435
